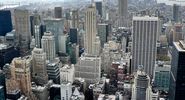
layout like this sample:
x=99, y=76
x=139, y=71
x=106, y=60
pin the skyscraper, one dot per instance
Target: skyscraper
x=20, y=71
x=6, y=22
x=123, y=7
x=140, y=88
x=99, y=8
x=90, y=29
x=55, y=26
x=58, y=12
x=145, y=32
x=2, y=83
x=39, y=70
x=176, y=13
x=122, y=13
x=22, y=27
x=48, y=45
x=177, y=77
x=75, y=19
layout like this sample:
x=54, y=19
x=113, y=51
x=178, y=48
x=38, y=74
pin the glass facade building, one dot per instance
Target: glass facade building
x=177, y=75
x=5, y=22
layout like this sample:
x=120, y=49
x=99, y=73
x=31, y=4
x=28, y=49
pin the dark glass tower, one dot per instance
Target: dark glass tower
x=99, y=8
x=177, y=75
x=2, y=85
x=5, y=22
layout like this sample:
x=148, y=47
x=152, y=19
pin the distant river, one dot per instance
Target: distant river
x=171, y=2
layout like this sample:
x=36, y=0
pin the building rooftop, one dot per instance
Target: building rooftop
x=145, y=18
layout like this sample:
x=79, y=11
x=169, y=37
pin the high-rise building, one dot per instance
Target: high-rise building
x=177, y=75
x=122, y=13
x=176, y=13
x=89, y=68
x=53, y=70
x=20, y=71
x=103, y=31
x=7, y=53
x=58, y=12
x=2, y=92
x=75, y=19
x=162, y=76
x=56, y=26
x=73, y=35
x=22, y=28
x=66, y=90
x=122, y=7
x=67, y=73
x=6, y=22
x=2, y=83
x=48, y=45
x=144, y=48
x=39, y=70
x=140, y=88
x=90, y=29
x=99, y=8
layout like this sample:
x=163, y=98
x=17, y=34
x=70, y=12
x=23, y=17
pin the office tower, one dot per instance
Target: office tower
x=75, y=19
x=122, y=7
x=22, y=28
x=53, y=70
x=89, y=68
x=77, y=95
x=2, y=83
x=48, y=45
x=73, y=35
x=99, y=8
x=35, y=19
x=7, y=53
x=66, y=90
x=177, y=75
x=55, y=92
x=41, y=92
x=39, y=71
x=103, y=31
x=141, y=85
x=162, y=76
x=2, y=93
x=20, y=71
x=56, y=26
x=6, y=22
x=122, y=13
x=176, y=13
x=37, y=36
x=145, y=33
x=58, y=12
x=74, y=53
x=67, y=73
x=90, y=29
x=177, y=32
x=63, y=44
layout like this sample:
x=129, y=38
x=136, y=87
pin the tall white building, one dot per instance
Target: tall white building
x=39, y=70
x=90, y=29
x=48, y=45
x=66, y=90
x=67, y=73
x=144, y=45
x=89, y=68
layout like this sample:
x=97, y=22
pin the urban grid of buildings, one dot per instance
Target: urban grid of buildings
x=92, y=50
